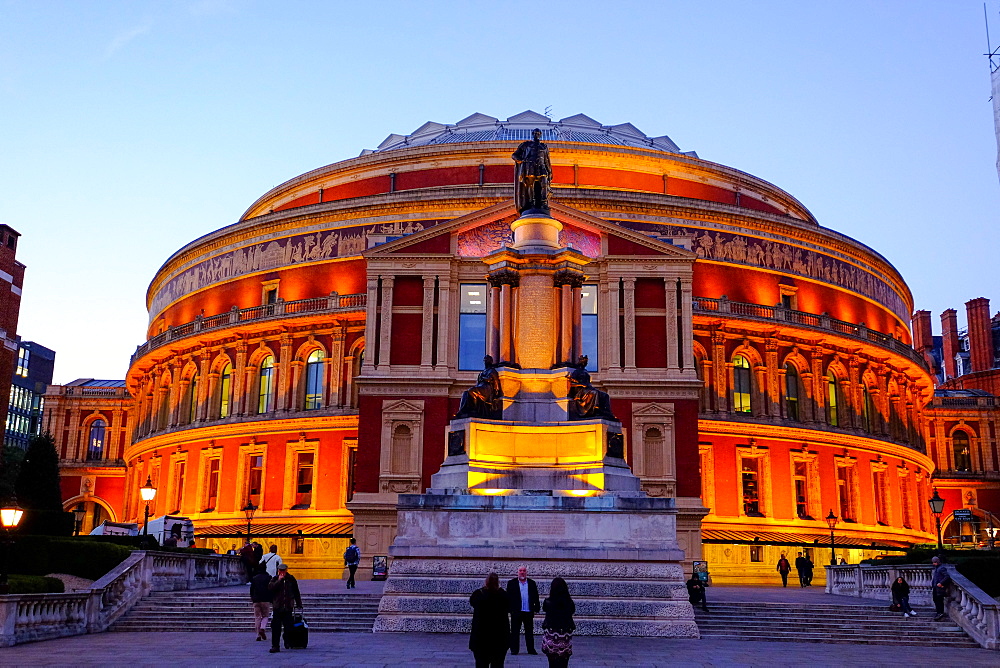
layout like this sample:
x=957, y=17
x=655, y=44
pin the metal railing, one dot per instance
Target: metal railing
x=967, y=605
x=31, y=617
x=332, y=303
x=802, y=319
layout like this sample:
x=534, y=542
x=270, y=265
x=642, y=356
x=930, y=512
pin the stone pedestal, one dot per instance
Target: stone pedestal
x=618, y=555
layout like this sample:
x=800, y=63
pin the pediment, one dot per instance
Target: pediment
x=488, y=230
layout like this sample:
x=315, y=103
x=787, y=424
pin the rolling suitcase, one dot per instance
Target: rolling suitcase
x=297, y=635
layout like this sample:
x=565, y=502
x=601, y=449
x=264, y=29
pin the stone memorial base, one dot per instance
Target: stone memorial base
x=617, y=553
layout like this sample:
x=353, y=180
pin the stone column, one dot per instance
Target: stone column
x=445, y=329
x=630, y=324
x=238, y=380
x=284, y=369
x=204, y=395
x=535, y=321
x=348, y=370
x=334, y=365
x=506, y=324
x=613, y=319
x=687, y=324
x=385, y=328
x=670, y=288
x=493, y=321
x=719, y=368
x=371, y=314
x=175, y=394
x=577, y=296
x=566, y=348
x=427, y=323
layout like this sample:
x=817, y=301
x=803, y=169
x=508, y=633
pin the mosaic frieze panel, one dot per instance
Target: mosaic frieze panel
x=753, y=251
x=324, y=245
x=486, y=239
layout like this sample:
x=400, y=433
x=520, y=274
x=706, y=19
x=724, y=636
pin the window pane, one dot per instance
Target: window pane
x=473, y=298
x=471, y=340
x=266, y=385
x=304, y=479
x=255, y=471
x=224, y=384
x=95, y=446
x=741, y=385
x=314, y=380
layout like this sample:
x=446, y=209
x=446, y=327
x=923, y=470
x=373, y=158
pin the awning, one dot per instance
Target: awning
x=743, y=537
x=286, y=530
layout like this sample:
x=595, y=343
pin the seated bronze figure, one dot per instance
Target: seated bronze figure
x=586, y=402
x=485, y=398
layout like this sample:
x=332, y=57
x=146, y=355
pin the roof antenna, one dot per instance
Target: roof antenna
x=990, y=52
x=548, y=109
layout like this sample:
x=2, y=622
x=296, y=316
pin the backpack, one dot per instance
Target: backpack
x=352, y=554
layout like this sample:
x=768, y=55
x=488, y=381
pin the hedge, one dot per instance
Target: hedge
x=41, y=555
x=34, y=584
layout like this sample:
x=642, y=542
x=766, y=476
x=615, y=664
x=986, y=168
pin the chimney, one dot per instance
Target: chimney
x=980, y=334
x=949, y=337
x=921, y=325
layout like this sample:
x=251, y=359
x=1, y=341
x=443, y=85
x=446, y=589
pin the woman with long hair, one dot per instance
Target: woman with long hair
x=490, y=638
x=558, y=627
x=901, y=596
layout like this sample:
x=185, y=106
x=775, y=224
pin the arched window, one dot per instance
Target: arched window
x=962, y=453
x=265, y=393
x=402, y=441
x=832, y=400
x=225, y=390
x=652, y=452
x=95, y=444
x=791, y=392
x=741, y=385
x=314, y=380
x=192, y=398
x=867, y=409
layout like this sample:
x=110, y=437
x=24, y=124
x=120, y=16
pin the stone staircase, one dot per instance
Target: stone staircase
x=231, y=611
x=828, y=623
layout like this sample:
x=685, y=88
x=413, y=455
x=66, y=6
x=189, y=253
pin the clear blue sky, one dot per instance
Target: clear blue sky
x=127, y=129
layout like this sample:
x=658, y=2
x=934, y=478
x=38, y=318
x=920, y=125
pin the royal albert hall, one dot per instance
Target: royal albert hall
x=306, y=360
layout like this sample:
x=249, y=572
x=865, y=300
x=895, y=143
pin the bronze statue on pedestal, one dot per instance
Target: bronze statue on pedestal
x=485, y=398
x=586, y=402
x=532, y=176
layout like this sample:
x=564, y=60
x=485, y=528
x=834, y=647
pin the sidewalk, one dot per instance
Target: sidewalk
x=448, y=650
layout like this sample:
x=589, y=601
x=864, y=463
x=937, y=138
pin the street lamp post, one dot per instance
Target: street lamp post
x=10, y=517
x=831, y=521
x=937, y=507
x=78, y=514
x=147, y=492
x=249, y=510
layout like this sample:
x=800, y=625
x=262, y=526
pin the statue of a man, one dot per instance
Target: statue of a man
x=532, y=175
x=485, y=398
x=586, y=402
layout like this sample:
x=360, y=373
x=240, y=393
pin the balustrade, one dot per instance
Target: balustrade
x=31, y=617
x=967, y=605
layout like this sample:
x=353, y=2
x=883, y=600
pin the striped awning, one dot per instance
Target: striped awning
x=743, y=537
x=285, y=530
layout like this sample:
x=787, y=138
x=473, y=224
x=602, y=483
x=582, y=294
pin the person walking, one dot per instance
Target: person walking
x=940, y=583
x=800, y=568
x=784, y=568
x=808, y=570
x=901, y=596
x=248, y=559
x=260, y=597
x=522, y=593
x=490, y=635
x=285, y=598
x=352, y=557
x=558, y=626
x=696, y=592
x=269, y=562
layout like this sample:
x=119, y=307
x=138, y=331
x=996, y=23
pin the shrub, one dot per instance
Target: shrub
x=40, y=555
x=35, y=584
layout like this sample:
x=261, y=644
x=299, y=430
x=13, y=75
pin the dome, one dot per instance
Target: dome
x=480, y=127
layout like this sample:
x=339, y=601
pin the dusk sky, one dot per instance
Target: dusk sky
x=128, y=129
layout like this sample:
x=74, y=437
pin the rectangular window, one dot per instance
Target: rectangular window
x=801, y=480
x=757, y=554
x=225, y=382
x=845, y=493
x=255, y=478
x=298, y=544
x=212, y=484
x=588, y=326
x=472, y=326
x=751, y=487
x=881, y=502
x=23, y=357
x=178, y=488
x=304, y=479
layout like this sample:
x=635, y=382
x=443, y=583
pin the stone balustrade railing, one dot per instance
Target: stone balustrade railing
x=968, y=605
x=332, y=303
x=822, y=322
x=31, y=617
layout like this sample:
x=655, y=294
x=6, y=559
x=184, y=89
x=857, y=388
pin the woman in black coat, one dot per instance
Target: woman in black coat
x=557, y=643
x=901, y=596
x=490, y=638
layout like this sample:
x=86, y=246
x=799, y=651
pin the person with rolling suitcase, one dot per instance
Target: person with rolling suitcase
x=285, y=598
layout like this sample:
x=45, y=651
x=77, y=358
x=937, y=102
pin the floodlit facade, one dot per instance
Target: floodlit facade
x=305, y=360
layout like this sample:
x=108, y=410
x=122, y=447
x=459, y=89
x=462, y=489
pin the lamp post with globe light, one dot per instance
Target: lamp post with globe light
x=10, y=518
x=249, y=510
x=937, y=507
x=148, y=493
x=831, y=521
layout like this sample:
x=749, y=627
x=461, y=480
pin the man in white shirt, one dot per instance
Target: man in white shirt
x=271, y=561
x=522, y=594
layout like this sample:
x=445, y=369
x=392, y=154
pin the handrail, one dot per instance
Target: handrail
x=967, y=605
x=332, y=303
x=32, y=617
x=821, y=322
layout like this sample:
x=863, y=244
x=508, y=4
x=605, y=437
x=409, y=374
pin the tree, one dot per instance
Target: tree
x=11, y=466
x=38, y=490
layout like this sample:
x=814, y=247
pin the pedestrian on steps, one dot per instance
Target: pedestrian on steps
x=352, y=557
x=940, y=583
x=490, y=637
x=285, y=598
x=558, y=626
x=696, y=592
x=784, y=568
x=901, y=597
x=269, y=562
x=260, y=596
x=800, y=568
